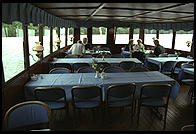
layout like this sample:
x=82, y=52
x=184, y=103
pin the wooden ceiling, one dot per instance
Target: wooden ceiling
x=129, y=12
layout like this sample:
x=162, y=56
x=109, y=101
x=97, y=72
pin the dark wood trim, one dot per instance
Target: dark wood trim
x=192, y=46
x=51, y=40
x=131, y=30
x=157, y=34
x=173, y=39
x=95, y=11
x=76, y=34
x=66, y=36
x=58, y=34
x=41, y=37
x=141, y=35
x=89, y=35
x=26, y=47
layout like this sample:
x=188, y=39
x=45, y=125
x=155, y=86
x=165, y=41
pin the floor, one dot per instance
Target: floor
x=180, y=113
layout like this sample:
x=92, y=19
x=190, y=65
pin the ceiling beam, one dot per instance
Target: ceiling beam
x=95, y=11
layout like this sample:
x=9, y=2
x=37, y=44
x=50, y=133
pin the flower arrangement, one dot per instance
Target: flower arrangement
x=103, y=53
x=177, y=54
x=188, y=43
x=95, y=65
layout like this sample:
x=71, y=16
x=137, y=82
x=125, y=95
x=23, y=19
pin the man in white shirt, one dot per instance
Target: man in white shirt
x=77, y=48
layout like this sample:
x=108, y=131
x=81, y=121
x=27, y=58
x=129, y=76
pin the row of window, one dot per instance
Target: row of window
x=12, y=42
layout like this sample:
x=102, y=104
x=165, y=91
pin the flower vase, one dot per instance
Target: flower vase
x=103, y=58
x=97, y=74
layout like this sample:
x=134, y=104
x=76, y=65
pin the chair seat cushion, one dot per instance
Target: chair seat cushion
x=85, y=104
x=119, y=103
x=153, y=102
x=55, y=105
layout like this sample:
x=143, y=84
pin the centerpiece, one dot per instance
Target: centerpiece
x=103, y=53
x=97, y=67
x=177, y=54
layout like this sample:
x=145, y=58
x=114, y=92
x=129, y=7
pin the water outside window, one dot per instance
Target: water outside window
x=12, y=49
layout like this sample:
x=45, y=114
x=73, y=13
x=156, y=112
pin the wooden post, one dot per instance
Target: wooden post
x=41, y=38
x=51, y=40
x=76, y=34
x=26, y=47
x=89, y=35
x=131, y=30
x=173, y=39
x=141, y=35
x=58, y=34
x=66, y=36
x=157, y=34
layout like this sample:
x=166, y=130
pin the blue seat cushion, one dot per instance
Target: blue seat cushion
x=153, y=102
x=87, y=104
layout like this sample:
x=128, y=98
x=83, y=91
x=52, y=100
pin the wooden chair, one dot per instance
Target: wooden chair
x=28, y=115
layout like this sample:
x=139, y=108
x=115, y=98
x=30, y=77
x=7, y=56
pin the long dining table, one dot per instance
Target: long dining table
x=161, y=60
x=67, y=81
x=112, y=61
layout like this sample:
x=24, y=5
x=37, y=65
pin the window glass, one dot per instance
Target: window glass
x=181, y=38
x=12, y=49
x=70, y=36
x=33, y=36
x=136, y=35
x=99, y=35
x=165, y=38
x=122, y=35
x=148, y=35
x=55, y=35
x=46, y=41
x=83, y=33
x=62, y=37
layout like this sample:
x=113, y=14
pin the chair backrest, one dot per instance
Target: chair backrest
x=106, y=56
x=59, y=71
x=113, y=69
x=61, y=65
x=86, y=70
x=127, y=65
x=163, y=55
x=72, y=56
x=117, y=56
x=49, y=93
x=27, y=116
x=86, y=93
x=149, y=91
x=86, y=56
x=168, y=66
x=104, y=65
x=119, y=92
x=171, y=55
x=139, y=69
x=151, y=55
x=76, y=66
x=186, y=65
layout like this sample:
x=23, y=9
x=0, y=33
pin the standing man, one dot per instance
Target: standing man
x=77, y=48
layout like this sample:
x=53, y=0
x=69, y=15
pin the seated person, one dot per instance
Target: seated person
x=139, y=47
x=77, y=48
x=129, y=46
x=86, y=44
x=158, y=48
